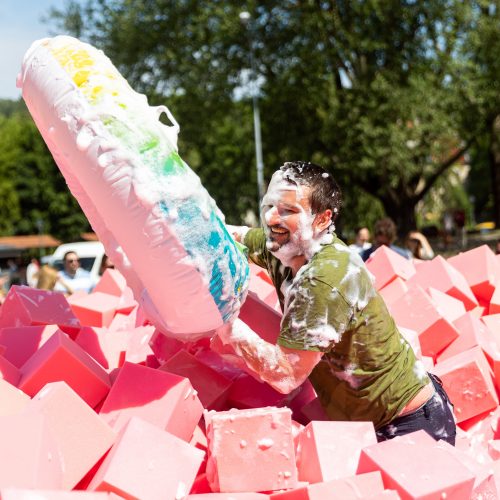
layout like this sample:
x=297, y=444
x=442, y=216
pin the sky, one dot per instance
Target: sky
x=20, y=25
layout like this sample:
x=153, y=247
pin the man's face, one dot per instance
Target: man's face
x=71, y=263
x=288, y=222
x=363, y=236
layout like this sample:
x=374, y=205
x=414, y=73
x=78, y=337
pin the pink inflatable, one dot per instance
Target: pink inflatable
x=156, y=221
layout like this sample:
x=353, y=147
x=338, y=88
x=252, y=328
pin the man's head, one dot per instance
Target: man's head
x=71, y=262
x=385, y=231
x=362, y=236
x=299, y=208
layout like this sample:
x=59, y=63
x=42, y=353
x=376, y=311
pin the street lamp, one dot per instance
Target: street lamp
x=245, y=19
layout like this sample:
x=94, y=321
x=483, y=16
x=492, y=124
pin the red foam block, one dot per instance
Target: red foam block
x=62, y=359
x=386, y=265
x=25, y=306
x=148, y=463
x=161, y=398
x=95, y=309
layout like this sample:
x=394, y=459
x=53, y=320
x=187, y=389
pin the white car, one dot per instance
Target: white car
x=90, y=254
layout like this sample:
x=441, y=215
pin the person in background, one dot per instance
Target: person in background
x=47, y=277
x=73, y=275
x=106, y=263
x=362, y=241
x=31, y=273
x=385, y=234
x=419, y=246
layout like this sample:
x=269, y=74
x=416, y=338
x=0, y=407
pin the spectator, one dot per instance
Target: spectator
x=106, y=263
x=362, y=241
x=73, y=275
x=419, y=246
x=47, y=278
x=385, y=234
x=31, y=273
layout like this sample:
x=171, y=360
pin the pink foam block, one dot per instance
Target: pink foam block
x=314, y=411
x=250, y=450
x=138, y=348
x=304, y=394
x=262, y=286
x=107, y=347
x=62, y=359
x=82, y=436
x=472, y=332
x=247, y=392
x=148, y=463
x=29, y=455
x=416, y=310
x=212, y=387
x=261, y=318
x=393, y=290
x=95, y=309
x=25, y=306
x=330, y=450
x=449, y=307
x=9, y=372
x=494, y=307
x=227, y=496
x=17, y=494
x=417, y=467
x=468, y=383
x=23, y=341
x=386, y=265
x=12, y=400
x=298, y=493
x=217, y=362
x=111, y=282
x=163, y=399
x=348, y=488
x=480, y=269
x=439, y=274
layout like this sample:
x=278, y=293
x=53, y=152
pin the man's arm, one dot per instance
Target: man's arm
x=282, y=368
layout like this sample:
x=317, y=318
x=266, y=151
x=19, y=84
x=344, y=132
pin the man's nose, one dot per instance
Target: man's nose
x=272, y=217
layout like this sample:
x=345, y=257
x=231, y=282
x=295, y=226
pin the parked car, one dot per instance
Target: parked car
x=90, y=254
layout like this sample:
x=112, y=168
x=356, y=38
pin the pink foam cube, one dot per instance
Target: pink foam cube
x=298, y=493
x=60, y=358
x=472, y=332
x=12, y=400
x=386, y=265
x=23, y=341
x=480, y=269
x=161, y=398
x=330, y=450
x=357, y=487
x=494, y=306
x=95, y=309
x=215, y=361
x=393, y=290
x=17, y=494
x=212, y=387
x=25, y=306
x=227, y=496
x=107, y=347
x=262, y=319
x=111, y=282
x=250, y=450
x=9, y=372
x=81, y=435
x=439, y=274
x=468, y=383
x=449, y=307
x=417, y=467
x=29, y=455
x=262, y=286
x=148, y=463
x=415, y=310
x=138, y=348
x=314, y=411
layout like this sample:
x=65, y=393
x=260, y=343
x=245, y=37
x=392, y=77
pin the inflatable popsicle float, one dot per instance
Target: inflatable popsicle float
x=157, y=222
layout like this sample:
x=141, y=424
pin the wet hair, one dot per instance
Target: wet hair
x=386, y=228
x=325, y=192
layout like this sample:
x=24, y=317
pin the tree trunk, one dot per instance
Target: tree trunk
x=494, y=158
x=402, y=213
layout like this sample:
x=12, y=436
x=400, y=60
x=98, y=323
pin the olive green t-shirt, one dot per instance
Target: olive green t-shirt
x=368, y=371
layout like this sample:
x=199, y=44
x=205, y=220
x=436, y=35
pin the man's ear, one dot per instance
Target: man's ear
x=323, y=220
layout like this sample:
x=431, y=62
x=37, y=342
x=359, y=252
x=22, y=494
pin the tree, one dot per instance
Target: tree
x=379, y=92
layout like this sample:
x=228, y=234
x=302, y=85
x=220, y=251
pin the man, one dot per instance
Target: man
x=336, y=329
x=75, y=277
x=385, y=234
x=362, y=241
